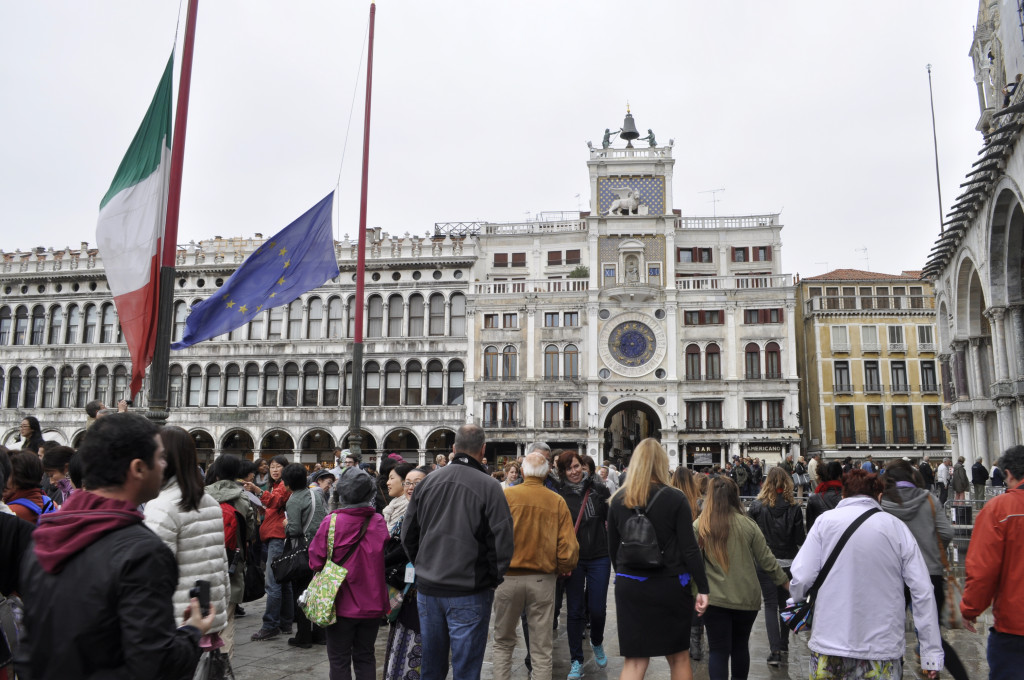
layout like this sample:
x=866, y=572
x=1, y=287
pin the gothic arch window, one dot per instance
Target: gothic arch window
x=92, y=317
x=14, y=388
x=67, y=386
x=692, y=362
x=334, y=319
x=175, y=385
x=392, y=384
x=332, y=383
x=435, y=383
x=108, y=324
x=295, y=319
x=21, y=326
x=5, y=325
x=314, y=328
x=351, y=305
x=56, y=325
x=271, y=384
x=551, y=358
x=413, y=383
x=509, y=363
x=416, y=312
x=752, y=361
x=571, y=362
x=31, y=387
x=103, y=384
x=83, y=386
x=38, y=325
x=291, y=385
x=371, y=384
x=232, y=385
x=74, y=324
x=213, y=385
x=375, y=325
x=772, y=360
x=120, y=383
x=456, y=383
x=252, y=385
x=436, y=314
x=396, y=309
x=310, y=384
x=458, y=313
x=49, y=386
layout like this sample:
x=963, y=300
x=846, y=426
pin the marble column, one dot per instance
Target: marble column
x=1017, y=323
x=977, y=386
x=297, y=456
x=966, y=437
x=999, y=343
x=1004, y=416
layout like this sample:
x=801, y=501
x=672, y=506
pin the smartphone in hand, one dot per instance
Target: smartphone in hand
x=201, y=591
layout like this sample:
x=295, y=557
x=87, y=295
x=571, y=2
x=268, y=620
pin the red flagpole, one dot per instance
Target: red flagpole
x=355, y=438
x=158, y=410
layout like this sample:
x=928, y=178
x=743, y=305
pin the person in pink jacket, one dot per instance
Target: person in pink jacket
x=363, y=596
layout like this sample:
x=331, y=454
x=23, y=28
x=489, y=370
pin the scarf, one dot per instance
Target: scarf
x=579, y=489
x=825, y=486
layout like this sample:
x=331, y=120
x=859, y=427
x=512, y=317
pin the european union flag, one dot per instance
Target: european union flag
x=297, y=259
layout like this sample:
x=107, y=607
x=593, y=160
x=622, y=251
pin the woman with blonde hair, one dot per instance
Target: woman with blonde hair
x=780, y=520
x=733, y=550
x=654, y=602
x=684, y=480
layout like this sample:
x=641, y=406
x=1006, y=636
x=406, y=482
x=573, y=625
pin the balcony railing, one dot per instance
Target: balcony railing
x=773, y=375
x=499, y=378
x=929, y=388
x=753, y=376
x=872, y=388
x=842, y=388
x=530, y=286
x=755, y=424
x=870, y=347
x=897, y=347
x=733, y=282
x=845, y=437
x=694, y=425
x=501, y=423
x=561, y=424
x=889, y=438
x=926, y=347
x=840, y=303
x=901, y=389
x=840, y=347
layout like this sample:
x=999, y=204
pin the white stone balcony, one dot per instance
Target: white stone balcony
x=734, y=282
x=530, y=286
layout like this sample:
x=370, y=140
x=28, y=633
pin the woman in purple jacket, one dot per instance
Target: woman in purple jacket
x=363, y=598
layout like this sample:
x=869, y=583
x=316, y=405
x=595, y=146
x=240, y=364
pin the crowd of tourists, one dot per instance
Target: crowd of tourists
x=126, y=558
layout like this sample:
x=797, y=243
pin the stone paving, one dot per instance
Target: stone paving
x=274, y=659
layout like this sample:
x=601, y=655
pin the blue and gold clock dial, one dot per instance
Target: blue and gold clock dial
x=632, y=343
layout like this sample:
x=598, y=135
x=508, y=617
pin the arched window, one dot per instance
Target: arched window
x=14, y=388
x=83, y=387
x=712, y=362
x=21, y=326
x=5, y=325
x=103, y=384
x=67, y=386
x=435, y=383
x=371, y=384
x=74, y=324
x=692, y=362
x=49, y=387
x=38, y=325
x=772, y=361
x=256, y=326
x=375, y=314
x=491, y=363
x=509, y=363
x=108, y=324
x=572, y=362
x=195, y=386
x=347, y=391
x=295, y=319
x=351, y=304
x=271, y=384
x=56, y=325
x=334, y=319
x=2, y=385
x=458, y=324
x=31, y=387
x=291, y=385
x=232, y=384
x=252, y=385
x=239, y=333
x=92, y=320
x=415, y=315
x=753, y=361
x=120, y=383
x=396, y=309
x=213, y=385
x=180, y=312
x=436, y=314
x=551, y=362
x=456, y=383
x=275, y=325
x=413, y=384
x=314, y=329
x=332, y=383
x=310, y=384
x=392, y=384
x=175, y=385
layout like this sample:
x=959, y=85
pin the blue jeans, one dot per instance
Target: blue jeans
x=1005, y=655
x=592, y=576
x=456, y=623
x=280, y=602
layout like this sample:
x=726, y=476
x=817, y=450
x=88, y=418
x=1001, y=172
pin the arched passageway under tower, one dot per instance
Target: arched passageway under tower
x=626, y=425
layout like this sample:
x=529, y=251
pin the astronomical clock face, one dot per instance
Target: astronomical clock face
x=632, y=344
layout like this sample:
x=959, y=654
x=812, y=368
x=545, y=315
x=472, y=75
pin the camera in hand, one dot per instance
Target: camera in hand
x=201, y=591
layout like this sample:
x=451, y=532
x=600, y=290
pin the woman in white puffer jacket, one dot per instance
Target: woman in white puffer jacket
x=190, y=522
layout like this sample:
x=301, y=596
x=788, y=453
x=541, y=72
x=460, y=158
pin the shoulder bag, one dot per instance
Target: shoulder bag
x=293, y=565
x=318, y=602
x=949, y=616
x=798, y=615
x=579, y=519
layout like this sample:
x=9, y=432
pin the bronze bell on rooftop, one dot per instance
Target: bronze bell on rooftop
x=628, y=131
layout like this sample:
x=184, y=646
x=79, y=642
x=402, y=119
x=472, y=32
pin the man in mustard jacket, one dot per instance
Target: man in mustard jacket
x=545, y=546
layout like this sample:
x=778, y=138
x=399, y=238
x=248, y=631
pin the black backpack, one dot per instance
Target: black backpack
x=638, y=548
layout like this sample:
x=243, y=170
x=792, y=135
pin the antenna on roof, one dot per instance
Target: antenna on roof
x=864, y=251
x=827, y=268
x=714, y=199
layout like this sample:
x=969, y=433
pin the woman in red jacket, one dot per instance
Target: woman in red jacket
x=280, y=610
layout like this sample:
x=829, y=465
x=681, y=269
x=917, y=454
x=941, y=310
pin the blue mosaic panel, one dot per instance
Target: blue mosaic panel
x=650, y=189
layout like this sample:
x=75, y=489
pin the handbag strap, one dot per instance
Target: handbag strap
x=312, y=511
x=938, y=540
x=834, y=555
x=583, y=506
x=355, y=544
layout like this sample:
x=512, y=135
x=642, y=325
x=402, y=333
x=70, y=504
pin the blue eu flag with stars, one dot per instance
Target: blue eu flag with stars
x=297, y=259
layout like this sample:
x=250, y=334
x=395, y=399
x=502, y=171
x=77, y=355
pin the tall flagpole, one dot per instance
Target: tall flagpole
x=935, y=144
x=355, y=438
x=158, y=410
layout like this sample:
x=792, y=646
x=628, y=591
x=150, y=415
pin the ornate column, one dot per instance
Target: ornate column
x=1017, y=321
x=974, y=374
x=791, y=319
x=1004, y=416
x=405, y=319
x=401, y=387
x=954, y=438
x=447, y=318
x=344, y=319
x=995, y=315
x=672, y=333
x=731, y=350
x=966, y=437
x=304, y=331
x=296, y=456
x=980, y=440
x=385, y=320
x=960, y=383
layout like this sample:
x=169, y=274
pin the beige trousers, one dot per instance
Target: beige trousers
x=534, y=594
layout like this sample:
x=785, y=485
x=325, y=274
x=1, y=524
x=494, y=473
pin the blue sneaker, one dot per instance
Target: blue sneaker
x=599, y=657
x=575, y=671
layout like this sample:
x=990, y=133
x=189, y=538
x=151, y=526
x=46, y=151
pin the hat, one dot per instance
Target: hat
x=396, y=457
x=321, y=474
x=354, y=489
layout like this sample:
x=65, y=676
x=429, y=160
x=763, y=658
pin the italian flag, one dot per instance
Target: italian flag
x=131, y=227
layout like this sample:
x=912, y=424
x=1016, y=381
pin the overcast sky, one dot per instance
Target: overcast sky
x=481, y=111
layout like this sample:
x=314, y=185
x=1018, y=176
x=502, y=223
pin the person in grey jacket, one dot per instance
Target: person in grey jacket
x=304, y=511
x=906, y=499
x=457, y=532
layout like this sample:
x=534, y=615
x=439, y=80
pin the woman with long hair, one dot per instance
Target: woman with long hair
x=685, y=480
x=906, y=498
x=262, y=479
x=654, y=604
x=31, y=434
x=782, y=524
x=734, y=548
x=829, y=491
x=395, y=510
x=513, y=475
x=868, y=576
x=280, y=609
x=586, y=590
x=191, y=523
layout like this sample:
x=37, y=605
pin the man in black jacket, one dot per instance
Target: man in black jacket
x=457, y=532
x=925, y=468
x=98, y=584
x=979, y=475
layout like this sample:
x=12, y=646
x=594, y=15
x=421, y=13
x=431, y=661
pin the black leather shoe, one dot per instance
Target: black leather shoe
x=295, y=642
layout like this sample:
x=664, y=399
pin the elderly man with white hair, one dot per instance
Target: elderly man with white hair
x=545, y=546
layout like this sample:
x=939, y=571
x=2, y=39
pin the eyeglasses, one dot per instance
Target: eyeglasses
x=410, y=485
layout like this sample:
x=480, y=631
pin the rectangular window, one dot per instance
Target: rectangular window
x=840, y=339
x=705, y=254
x=508, y=413
x=714, y=415
x=898, y=293
x=754, y=418
x=491, y=321
x=844, y=425
x=510, y=320
x=762, y=316
x=866, y=297
x=869, y=339
x=933, y=425
x=572, y=257
x=694, y=414
x=276, y=326
x=774, y=407
x=570, y=414
x=703, y=317
x=291, y=389
x=554, y=258
x=902, y=425
x=849, y=297
x=925, y=339
x=571, y=319
x=232, y=385
x=550, y=319
x=518, y=259
x=832, y=297
x=899, y=378
x=501, y=259
x=371, y=388
x=916, y=297
x=876, y=425
x=270, y=389
x=685, y=254
x=551, y=414
x=762, y=254
x=490, y=414
x=843, y=385
x=929, y=381
x=414, y=387
x=872, y=378
x=740, y=255
x=392, y=388
x=882, y=297
x=896, y=341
